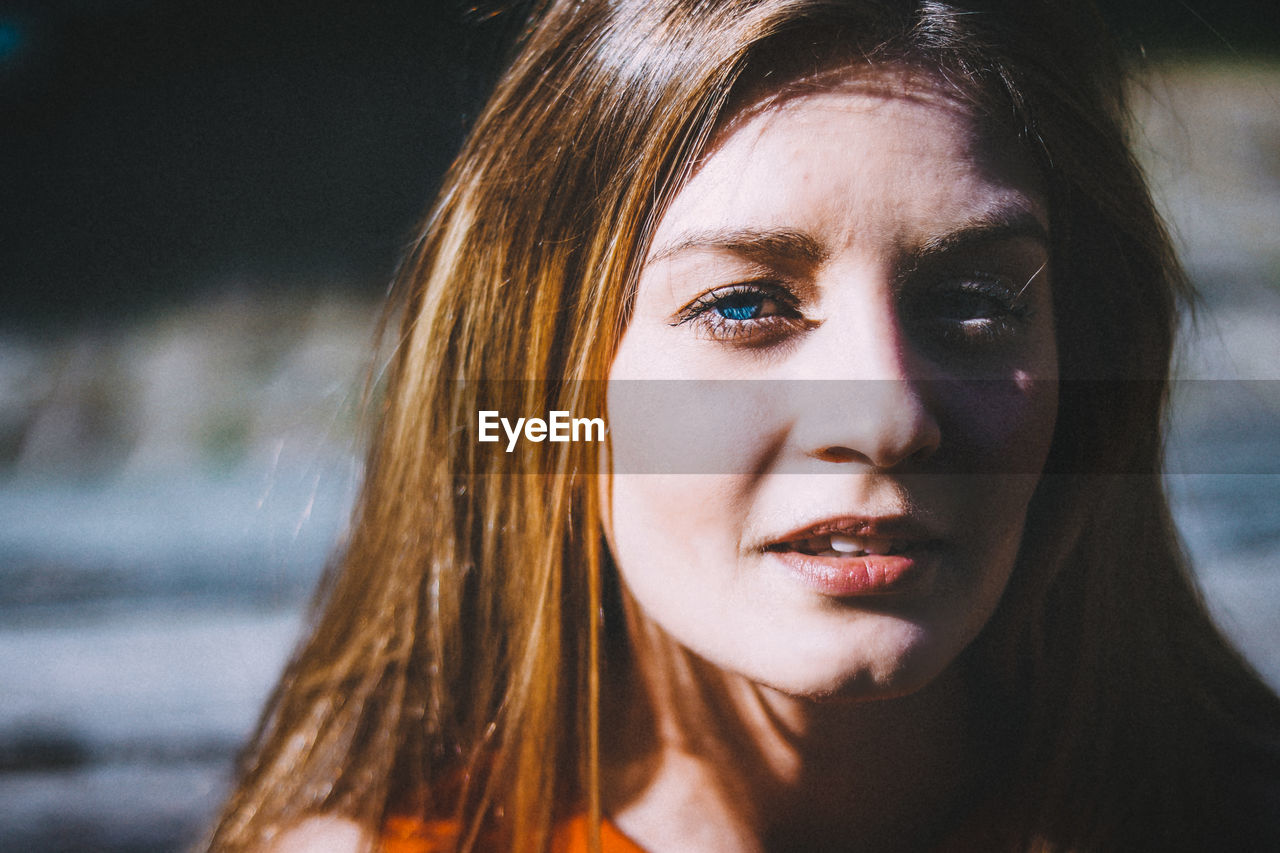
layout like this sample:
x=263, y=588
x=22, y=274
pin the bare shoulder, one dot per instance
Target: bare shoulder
x=324, y=834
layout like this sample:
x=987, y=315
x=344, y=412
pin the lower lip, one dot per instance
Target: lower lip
x=853, y=577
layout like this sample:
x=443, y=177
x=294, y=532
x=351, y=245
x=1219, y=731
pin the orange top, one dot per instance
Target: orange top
x=410, y=835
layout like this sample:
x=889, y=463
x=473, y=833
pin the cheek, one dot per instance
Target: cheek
x=1001, y=432
x=674, y=537
x=999, y=427
x=684, y=427
x=1007, y=431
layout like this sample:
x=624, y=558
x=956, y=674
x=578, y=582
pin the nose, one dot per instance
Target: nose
x=881, y=423
x=867, y=396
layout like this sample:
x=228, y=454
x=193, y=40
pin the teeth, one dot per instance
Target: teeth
x=845, y=544
x=841, y=545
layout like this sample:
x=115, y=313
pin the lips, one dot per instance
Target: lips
x=851, y=557
x=843, y=545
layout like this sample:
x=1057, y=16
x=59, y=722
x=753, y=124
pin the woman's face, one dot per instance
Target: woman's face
x=845, y=522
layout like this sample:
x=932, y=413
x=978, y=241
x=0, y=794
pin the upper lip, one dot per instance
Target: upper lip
x=904, y=529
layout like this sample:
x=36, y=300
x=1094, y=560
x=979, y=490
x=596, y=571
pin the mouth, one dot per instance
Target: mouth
x=885, y=536
x=846, y=558
x=844, y=545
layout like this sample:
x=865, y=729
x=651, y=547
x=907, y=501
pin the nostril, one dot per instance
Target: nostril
x=923, y=452
x=887, y=457
x=839, y=454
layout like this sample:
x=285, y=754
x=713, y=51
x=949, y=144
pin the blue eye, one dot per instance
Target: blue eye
x=740, y=306
x=752, y=314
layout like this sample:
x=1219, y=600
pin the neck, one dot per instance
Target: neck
x=700, y=760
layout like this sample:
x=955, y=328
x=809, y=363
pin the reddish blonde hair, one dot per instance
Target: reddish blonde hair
x=455, y=665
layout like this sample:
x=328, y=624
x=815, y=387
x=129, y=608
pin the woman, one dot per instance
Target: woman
x=938, y=604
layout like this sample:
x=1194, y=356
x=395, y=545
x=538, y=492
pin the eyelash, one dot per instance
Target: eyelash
x=707, y=314
x=992, y=311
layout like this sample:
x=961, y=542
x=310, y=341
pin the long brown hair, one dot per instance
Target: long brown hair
x=455, y=665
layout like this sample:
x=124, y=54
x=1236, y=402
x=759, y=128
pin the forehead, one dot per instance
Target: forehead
x=855, y=154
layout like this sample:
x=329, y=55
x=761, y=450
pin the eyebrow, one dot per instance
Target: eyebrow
x=1001, y=223
x=757, y=244
x=771, y=244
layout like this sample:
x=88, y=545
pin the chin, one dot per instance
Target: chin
x=892, y=659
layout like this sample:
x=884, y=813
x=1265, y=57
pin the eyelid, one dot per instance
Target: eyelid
x=996, y=286
x=771, y=288
x=709, y=264
x=756, y=332
x=1015, y=263
x=986, y=282
x=989, y=316
x=1002, y=251
x=1013, y=289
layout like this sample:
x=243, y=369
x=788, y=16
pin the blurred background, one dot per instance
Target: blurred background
x=201, y=204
